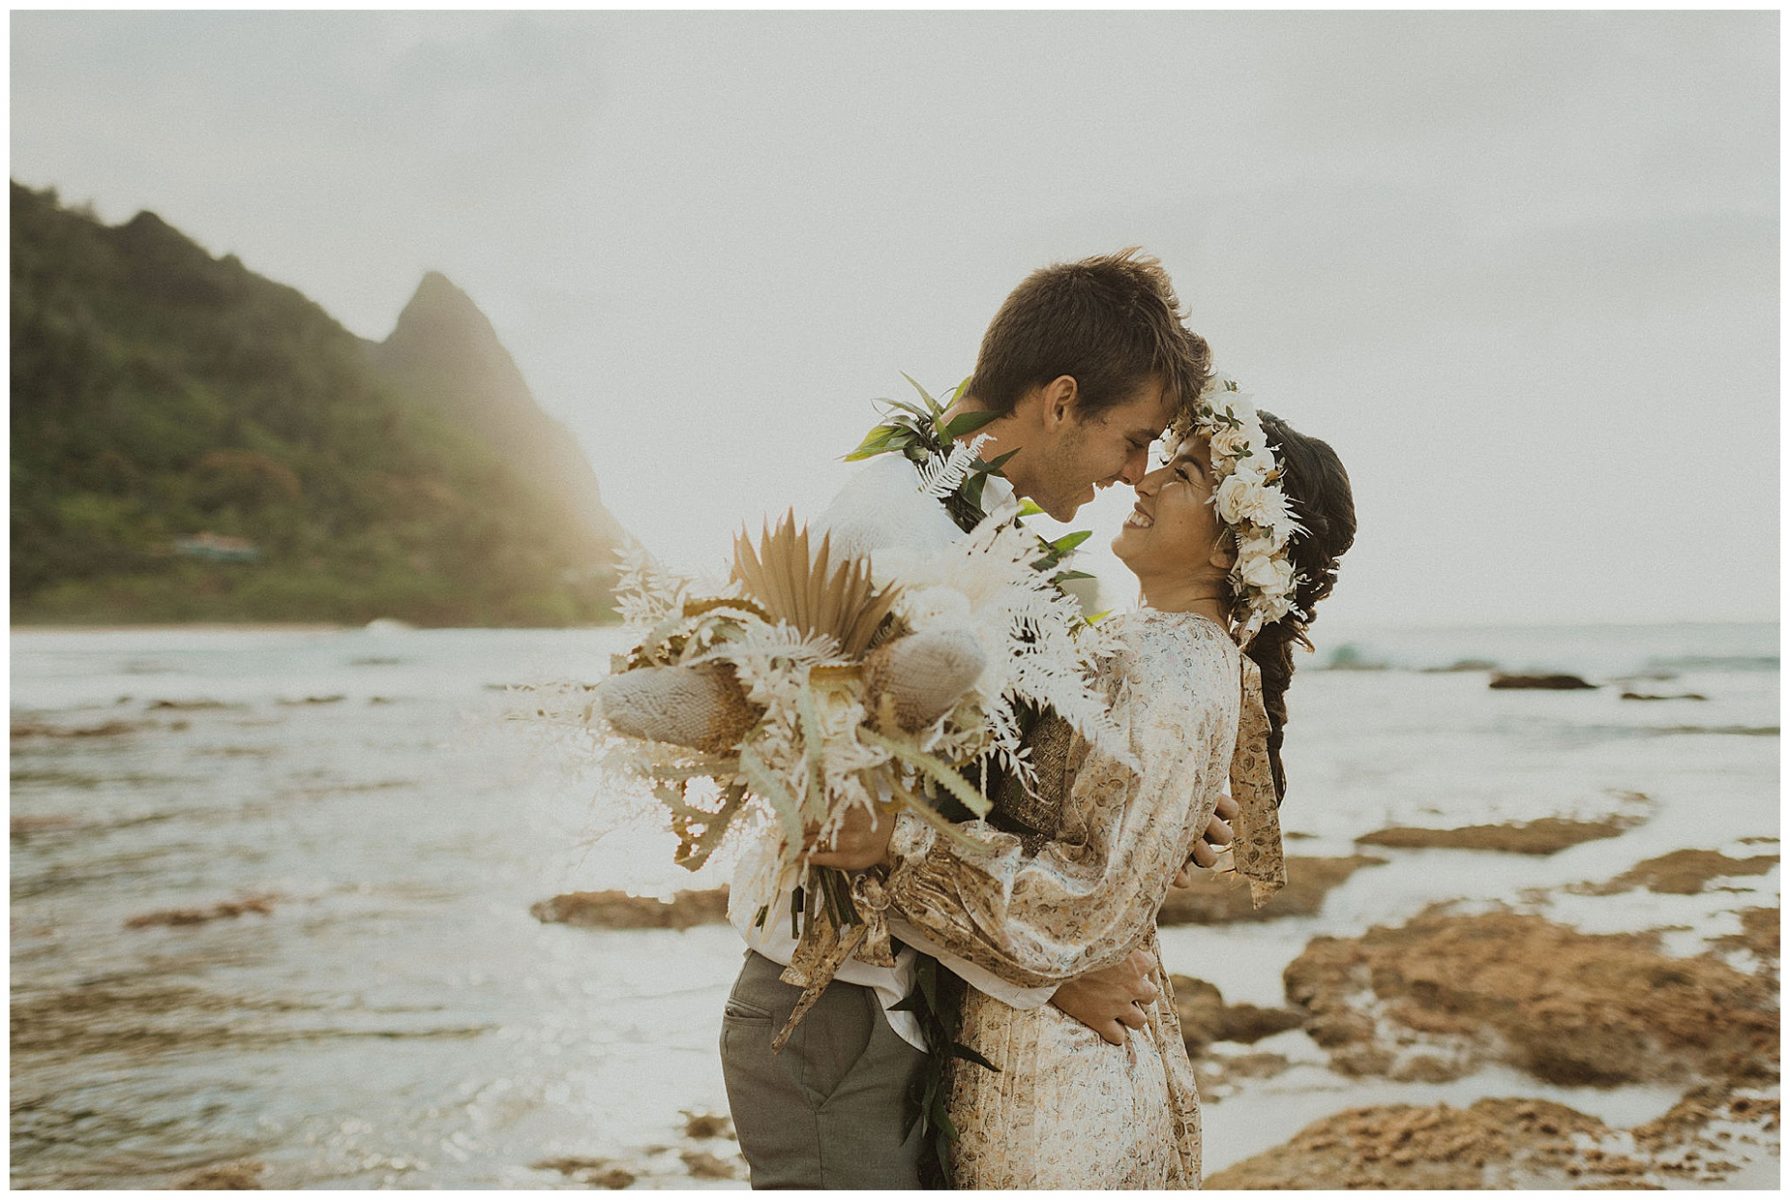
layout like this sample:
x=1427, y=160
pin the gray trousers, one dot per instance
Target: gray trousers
x=830, y=1111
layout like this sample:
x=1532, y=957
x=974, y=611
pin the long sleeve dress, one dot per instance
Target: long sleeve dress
x=1067, y=1109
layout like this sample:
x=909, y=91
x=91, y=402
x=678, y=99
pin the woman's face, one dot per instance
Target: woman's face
x=1174, y=528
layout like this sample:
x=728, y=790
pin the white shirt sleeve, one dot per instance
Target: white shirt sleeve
x=987, y=982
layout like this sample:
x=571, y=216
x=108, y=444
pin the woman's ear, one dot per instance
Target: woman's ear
x=1224, y=551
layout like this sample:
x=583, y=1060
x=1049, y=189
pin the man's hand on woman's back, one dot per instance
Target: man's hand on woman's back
x=1110, y=1000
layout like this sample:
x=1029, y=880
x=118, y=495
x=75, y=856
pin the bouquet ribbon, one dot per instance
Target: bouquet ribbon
x=824, y=947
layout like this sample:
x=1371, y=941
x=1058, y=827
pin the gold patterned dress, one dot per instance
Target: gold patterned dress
x=1067, y=1109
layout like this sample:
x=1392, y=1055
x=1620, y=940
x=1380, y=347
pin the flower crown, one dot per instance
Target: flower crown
x=1249, y=500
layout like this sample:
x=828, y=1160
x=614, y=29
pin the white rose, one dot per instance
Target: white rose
x=1276, y=606
x=1270, y=575
x=1228, y=443
x=1242, y=496
x=1272, y=511
x=1251, y=548
x=938, y=606
x=1241, y=406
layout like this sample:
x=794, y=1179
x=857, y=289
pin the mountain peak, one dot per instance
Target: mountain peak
x=440, y=314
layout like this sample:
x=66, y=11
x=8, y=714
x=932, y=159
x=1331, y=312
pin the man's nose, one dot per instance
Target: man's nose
x=1136, y=467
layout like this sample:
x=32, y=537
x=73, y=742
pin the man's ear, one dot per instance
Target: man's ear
x=1058, y=402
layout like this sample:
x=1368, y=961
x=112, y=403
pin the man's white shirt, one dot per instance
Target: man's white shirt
x=883, y=508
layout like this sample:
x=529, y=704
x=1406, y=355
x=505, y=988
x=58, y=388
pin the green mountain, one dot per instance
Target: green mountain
x=193, y=442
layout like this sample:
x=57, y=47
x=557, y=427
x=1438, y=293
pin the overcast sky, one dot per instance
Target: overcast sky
x=1520, y=268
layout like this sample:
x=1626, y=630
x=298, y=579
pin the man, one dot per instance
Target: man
x=1085, y=363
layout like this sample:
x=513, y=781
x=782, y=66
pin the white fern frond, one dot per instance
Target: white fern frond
x=943, y=474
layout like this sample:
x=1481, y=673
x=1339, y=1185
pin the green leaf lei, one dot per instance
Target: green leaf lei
x=920, y=432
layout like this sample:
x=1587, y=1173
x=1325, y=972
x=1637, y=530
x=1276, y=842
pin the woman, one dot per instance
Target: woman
x=1236, y=538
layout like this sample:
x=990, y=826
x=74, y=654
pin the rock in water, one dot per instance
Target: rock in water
x=1571, y=1008
x=1548, y=835
x=618, y=910
x=1547, y=683
x=1206, y=1018
x=1217, y=899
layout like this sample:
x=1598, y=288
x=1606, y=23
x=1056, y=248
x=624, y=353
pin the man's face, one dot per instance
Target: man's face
x=1112, y=446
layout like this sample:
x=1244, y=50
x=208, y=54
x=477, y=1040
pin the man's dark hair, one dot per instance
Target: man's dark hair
x=1111, y=322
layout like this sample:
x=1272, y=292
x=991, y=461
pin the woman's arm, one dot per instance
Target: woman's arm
x=1084, y=899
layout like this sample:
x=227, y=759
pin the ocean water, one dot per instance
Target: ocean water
x=396, y=1017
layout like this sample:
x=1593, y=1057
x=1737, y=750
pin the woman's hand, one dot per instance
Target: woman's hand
x=862, y=841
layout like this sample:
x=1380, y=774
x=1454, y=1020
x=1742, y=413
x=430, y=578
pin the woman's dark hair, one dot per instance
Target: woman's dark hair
x=1314, y=480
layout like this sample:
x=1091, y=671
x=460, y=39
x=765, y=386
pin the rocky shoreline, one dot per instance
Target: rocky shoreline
x=1450, y=993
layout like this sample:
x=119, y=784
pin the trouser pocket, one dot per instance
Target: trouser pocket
x=823, y=1048
x=831, y=1110
x=739, y=1012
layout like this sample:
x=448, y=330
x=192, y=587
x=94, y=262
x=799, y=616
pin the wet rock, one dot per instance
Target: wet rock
x=1348, y=657
x=570, y=1164
x=1496, y=1143
x=1661, y=696
x=1770, y=731
x=1548, y=683
x=1549, y=835
x=241, y=1175
x=613, y=1178
x=703, y=1165
x=1759, y=935
x=1423, y=1068
x=1219, y=898
x=1248, y=1023
x=311, y=700
x=707, y=1125
x=592, y=1172
x=1680, y=873
x=37, y=729
x=224, y=909
x=618, y=910
x=1463, y=666
x=1569, y=1007
x=1219, y=1076
x=188, y=705
x=1206, y=1018
x=23, y=827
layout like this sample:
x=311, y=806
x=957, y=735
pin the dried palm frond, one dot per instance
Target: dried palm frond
x=804, y=588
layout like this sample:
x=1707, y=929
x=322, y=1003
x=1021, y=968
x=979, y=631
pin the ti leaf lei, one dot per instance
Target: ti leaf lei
x=921, y=433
